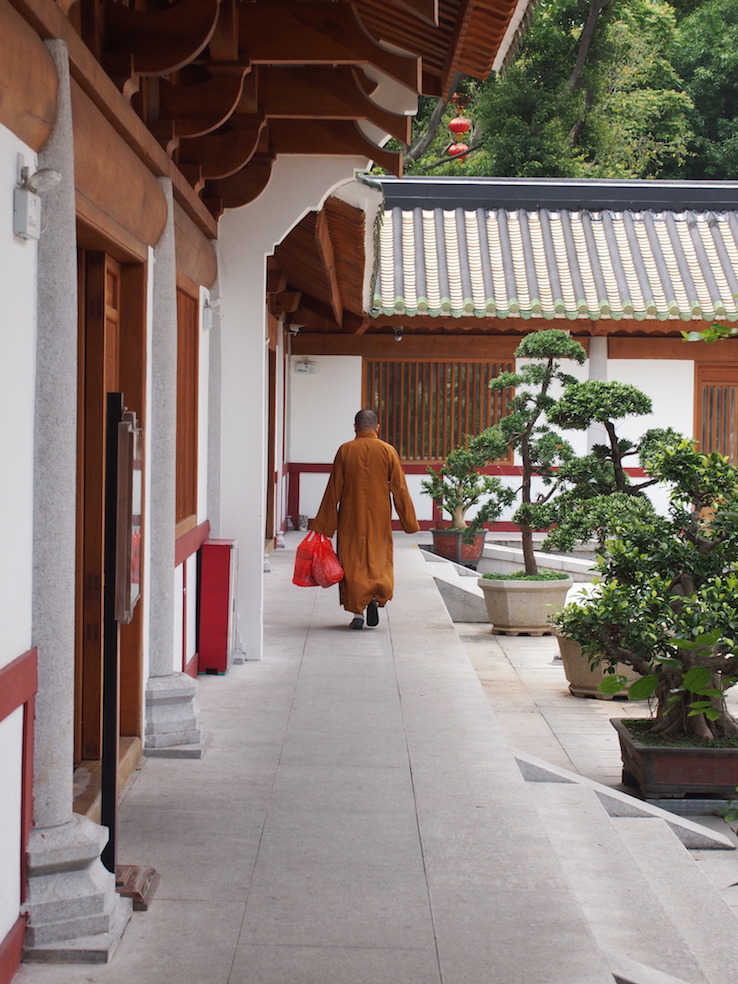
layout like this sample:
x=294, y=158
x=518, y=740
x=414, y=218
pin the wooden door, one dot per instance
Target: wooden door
x=100, y=279
x=716, y=408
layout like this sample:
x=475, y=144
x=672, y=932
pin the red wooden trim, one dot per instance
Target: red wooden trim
x=11, y=951
x=308, y=466
x=18, y=682
x=296, y=469
x=293, y=496
x=190, y=543
x=504, y=526
x=192, y=668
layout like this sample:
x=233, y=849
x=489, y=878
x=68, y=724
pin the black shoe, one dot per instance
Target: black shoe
x=372, y=614
x=357, y=622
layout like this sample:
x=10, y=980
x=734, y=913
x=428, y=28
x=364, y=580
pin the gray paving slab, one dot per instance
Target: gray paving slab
x=333, y=965
x=357, y=817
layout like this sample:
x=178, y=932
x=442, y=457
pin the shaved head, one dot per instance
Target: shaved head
x=365, y=420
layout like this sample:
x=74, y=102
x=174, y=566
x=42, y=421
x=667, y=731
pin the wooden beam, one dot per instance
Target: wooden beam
x=325, y=249
x=317, y=316
x=161, y=41
x=492, y=347
x=425, y=10
x=276, y=277
x=325, y=93
x=222, y=154
x=285, y=302
x=242, y=187
x=29, y=81
x=196, y=110
x=316, y=32
x=50, y=21
x=340, y=138
x=223, y=45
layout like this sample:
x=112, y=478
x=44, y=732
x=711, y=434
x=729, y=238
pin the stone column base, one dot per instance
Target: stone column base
x=74, y=911
x=172, y=715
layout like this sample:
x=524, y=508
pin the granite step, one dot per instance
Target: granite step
x=643, y=895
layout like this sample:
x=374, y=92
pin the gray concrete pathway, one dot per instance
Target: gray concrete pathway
x=357, y=817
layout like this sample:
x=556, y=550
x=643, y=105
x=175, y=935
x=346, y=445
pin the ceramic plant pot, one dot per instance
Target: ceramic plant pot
x=584, y=680
x=517, y=606
x=450, y=545
x=662, y=771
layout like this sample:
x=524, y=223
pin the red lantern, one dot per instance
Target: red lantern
x=458, y=150
x=459, y=125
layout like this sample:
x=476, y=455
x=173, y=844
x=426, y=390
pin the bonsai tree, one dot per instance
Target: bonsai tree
x=525, y=430
x=459, y=484
x=665, y=601
x=595, y=490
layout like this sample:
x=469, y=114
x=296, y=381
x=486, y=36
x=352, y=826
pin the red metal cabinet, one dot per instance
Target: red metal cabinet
x=218, y=573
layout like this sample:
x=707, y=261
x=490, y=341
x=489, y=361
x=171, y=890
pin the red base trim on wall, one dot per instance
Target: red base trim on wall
x=11, y=951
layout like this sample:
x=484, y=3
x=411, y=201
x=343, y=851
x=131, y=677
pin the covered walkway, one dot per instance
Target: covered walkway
x=357, y=817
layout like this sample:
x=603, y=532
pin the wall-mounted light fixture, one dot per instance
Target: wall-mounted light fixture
x=210, y=310
x=398, y=334
x=306, y=366
x=27, y=200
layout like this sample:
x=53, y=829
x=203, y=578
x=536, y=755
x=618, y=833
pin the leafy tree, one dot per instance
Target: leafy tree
x=665, y=601
x=459, y=484
x=705, y=53
x=592, y=93
x=525, y=428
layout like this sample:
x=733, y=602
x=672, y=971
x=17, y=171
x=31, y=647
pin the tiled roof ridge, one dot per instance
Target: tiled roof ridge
x=552, y=193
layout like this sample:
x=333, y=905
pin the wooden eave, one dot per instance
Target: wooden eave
x=323, y=260
x=210, y=92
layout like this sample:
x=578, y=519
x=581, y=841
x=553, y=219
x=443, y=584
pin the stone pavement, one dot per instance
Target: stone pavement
x=358, y=816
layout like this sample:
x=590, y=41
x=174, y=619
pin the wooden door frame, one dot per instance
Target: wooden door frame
x=130, y=372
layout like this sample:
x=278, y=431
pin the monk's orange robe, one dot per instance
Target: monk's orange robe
x=366, y=478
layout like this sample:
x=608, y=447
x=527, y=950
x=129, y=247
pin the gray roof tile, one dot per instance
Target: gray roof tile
x=558, y=263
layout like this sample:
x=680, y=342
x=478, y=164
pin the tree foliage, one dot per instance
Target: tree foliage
x=602, y=89
x=665, y=601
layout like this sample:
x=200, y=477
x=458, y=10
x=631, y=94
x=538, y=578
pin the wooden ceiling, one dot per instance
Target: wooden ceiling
x=226, y=86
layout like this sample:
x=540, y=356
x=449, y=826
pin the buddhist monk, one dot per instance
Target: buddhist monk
x=365, y=480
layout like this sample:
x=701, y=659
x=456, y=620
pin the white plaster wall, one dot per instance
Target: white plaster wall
x=318, y=425
x=190, y=601
x=669, y=383
x=176, y=666
x=247, y=235
x=18, y=264
x=18, y=328
x=145, y=599
x=11, y=743
x=202, y=409
x=323, y=407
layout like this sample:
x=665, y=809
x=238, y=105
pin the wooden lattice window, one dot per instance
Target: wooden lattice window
x=716, y=425
x=187, y=415
x=428, y=408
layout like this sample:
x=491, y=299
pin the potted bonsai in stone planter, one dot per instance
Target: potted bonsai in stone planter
x=455, y=488
x=593, y=491
x=523, y=603
x=665, y=605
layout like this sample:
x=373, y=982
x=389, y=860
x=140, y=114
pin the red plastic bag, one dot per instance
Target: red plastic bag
x=303, y=575
x=327, y=568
